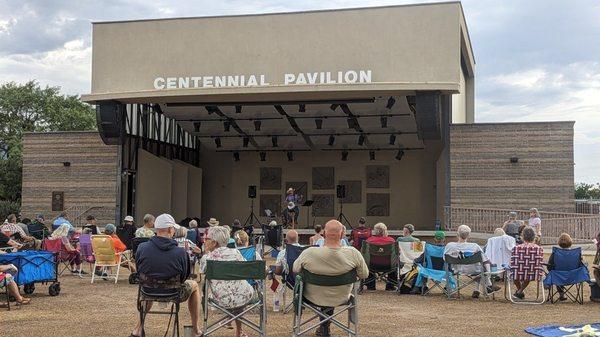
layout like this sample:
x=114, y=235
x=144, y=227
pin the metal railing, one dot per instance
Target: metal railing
x=582, y=227
x=77, y=214
x=589, y=206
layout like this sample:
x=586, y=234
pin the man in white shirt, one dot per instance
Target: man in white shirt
x=464, y=248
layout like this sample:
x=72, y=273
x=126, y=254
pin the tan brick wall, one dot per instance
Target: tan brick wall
x=89, y=181
x=482, y=175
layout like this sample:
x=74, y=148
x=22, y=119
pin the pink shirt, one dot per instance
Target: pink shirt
x=536, y=223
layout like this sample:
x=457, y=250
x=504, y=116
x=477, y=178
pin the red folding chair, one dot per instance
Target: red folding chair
x=66, y=258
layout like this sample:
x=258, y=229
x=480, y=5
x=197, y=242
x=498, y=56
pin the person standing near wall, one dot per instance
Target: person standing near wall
x=535, y=221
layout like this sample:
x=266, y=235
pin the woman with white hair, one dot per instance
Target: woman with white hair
x=70, y=253
x=228, y=294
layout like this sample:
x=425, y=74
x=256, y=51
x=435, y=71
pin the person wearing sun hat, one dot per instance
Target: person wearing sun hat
x=160, y=258
x=212, y=222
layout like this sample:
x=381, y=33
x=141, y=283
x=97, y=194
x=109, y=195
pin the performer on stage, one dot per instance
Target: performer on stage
x=292, y=210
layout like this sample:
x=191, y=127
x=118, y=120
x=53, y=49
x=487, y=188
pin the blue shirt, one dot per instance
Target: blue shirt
x=59, y=221
x=321, y=242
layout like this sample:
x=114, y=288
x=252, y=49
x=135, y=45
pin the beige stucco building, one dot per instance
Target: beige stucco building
x=202, y=108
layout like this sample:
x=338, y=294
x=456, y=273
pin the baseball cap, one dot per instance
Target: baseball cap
x=439, y=235
x=129, y=218
x=109, y=229
x=165, y=221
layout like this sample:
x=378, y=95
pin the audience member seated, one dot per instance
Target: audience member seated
x=7, y=271
x=439, y=239
x=126, y=231
x=37, y=228
x=291, y=238
x=512, y=225
x=90, y=225
x=63, y=217
x=120, y=247
x=499, y=248
x=147, y=230
x=330, y=259
x=565, y=242
x=6, y=241
x=463, y=247
x=183, y=242
x=526, y=261
x=228, y=294
x=242, y=240
x=380, y=237
x=360, y=234
x=70, y=253
x=313, y=239
x=343, y=240
x=407, y=232
x=11, y=229
x=596, y=262
x=160, y=258
x=195, y=234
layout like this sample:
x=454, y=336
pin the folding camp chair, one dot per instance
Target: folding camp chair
x=350, y=306
x=408, y=252
x=569, y=273
x=525, y=260
x=383, y=262
x=164, y=291
x=474, y=279
x=86, y=251
x=63, y=256
x=433, y=269
x=233, y=271
x=292, y=253
x=105, y=255
x=135, y=243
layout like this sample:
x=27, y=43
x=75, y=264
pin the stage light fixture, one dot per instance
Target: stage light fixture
x=383, y=120
x=257, y=125
x=290, y=156
x=246, y=140
x=263, y=156
x=371, y=155
x=390, y=103
x=218, y=142
x=197, y=126
x=352, y=123
x=210, y=109
x=344, y=155
x=331, y=140
x=399, y=155
x=274, y=141
x=236, y=156
x=319, y=123
x=333, y=107
x=226, y=126
x=392, y=139
x=301, y=108
x=238, y=109
x=361, y=140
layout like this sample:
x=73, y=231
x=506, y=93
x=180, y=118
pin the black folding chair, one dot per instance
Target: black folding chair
x=473, y=279
x=383, y=261
x=165, y=291
x=289, y=277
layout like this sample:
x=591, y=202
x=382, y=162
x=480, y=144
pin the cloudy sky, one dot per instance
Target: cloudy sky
x=537, y=60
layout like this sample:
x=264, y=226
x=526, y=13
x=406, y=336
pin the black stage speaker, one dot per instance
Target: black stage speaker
x=428, y=105
x=252, y=191
x=340, y=191
x=110, y=124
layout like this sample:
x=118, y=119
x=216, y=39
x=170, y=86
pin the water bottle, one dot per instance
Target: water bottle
x=438, y=225
x=276, y=301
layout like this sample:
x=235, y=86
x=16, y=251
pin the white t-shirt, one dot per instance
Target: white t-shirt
x=499, y=249
x=536, y=223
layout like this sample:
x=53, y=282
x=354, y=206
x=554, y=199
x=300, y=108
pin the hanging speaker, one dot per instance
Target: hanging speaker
x=109, y=121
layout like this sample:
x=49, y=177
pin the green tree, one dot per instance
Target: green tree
x=587, y=191
x=31, y=108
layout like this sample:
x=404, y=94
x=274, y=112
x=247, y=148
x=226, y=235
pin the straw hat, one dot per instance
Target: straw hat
x=290, y=190
x=213, y=222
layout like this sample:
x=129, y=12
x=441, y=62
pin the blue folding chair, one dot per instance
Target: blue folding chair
x=289, y=277
x=249, y=254
x=433, y=268
x=569, y=275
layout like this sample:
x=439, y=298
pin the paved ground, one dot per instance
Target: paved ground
x=106, y=309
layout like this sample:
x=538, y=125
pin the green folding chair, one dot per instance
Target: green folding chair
x=235, y=271
x=301, y=327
